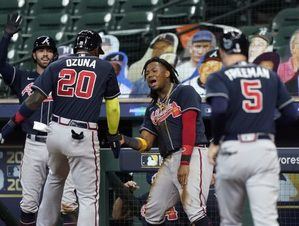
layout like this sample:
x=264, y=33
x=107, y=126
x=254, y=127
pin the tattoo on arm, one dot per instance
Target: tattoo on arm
x=35, y=100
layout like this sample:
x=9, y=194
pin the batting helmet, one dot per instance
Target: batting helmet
x=234, y=43
x=88, y=40
x=44, y=41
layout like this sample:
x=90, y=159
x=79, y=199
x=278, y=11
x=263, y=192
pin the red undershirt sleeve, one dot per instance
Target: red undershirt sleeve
x=188, y=135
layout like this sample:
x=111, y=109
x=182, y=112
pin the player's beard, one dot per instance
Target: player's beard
x=43, y=64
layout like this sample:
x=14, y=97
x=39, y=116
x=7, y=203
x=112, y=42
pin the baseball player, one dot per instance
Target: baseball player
x=173, y=119
x=34, y=163
x=78, y=84
x=243, y=98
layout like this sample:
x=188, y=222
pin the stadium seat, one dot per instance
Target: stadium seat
x=214, y=8
x=283, y=36
x=139, y=5
x=49, y=21
x=46, y=6
x=250, y=29
x=95, y=21
x=8, y=6
x=135, y=20
x=286, y=17
x=184, y=12
x=89, y=6
x=134, y=44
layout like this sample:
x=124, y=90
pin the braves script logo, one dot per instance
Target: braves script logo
x=160, y=115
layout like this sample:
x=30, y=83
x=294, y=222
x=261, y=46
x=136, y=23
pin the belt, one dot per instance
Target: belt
x=75, y=123
x=37, y=138
x=248, y=137
x=166, y=154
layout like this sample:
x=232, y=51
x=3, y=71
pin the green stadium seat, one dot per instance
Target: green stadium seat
x=284, y=35
x=95, y=21
x=286, y=17
x=134, y=44
x=139, y=5
x=49, y=21
x=250, y=29
x=89, y=6
x=8, y=6
x=184, y=12
x=46, y=6
x=135, y=20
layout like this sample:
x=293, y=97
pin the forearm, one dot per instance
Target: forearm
x=188, y=135
x=136, y=143
x=24, y=112
x=113, y=115
x=219, y=106
x=4, y=43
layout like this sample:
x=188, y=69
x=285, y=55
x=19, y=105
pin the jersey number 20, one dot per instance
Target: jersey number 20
x=84, y=81
x=253, y=102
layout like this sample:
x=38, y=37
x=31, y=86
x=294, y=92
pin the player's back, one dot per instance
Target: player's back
x=79, y=83
x=254, y=93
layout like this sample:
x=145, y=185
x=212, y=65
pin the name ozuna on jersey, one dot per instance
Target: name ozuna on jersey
x=81, y=62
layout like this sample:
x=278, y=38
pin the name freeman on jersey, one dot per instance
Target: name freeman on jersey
x=250, y=72
x=81, y=62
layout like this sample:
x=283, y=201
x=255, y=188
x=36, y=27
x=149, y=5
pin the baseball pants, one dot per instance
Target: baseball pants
x=81, y=158
x=252, y=168
x=33, y=174
x=166, y=190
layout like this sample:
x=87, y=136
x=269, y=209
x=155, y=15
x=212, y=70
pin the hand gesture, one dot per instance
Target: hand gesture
x=114, y=142
x=13, y=23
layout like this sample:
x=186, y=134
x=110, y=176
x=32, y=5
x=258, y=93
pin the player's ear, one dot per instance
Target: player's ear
x=34, y=55
x=167, y=74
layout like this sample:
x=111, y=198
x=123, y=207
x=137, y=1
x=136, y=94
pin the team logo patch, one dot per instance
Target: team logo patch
x=27, y=90
x=46, y=41
x=160, y=115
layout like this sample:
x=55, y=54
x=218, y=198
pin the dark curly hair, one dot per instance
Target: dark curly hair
x=173, y=73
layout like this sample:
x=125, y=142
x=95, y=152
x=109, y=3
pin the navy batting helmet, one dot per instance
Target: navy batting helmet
x=44, y=41
x=88, y=40
x=234, y=43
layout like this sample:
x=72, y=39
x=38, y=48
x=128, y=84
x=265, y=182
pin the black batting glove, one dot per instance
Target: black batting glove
x=114, y=142
x=13, y=23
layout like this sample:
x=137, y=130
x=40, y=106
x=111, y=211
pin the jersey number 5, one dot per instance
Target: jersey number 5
x=84, y=81
x=253, y=102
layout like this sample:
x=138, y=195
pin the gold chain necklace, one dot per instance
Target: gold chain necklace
x=161, y=103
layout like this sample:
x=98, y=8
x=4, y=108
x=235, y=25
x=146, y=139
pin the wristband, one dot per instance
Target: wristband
x=186, y=154
x=143, y=144
x=23, y=113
